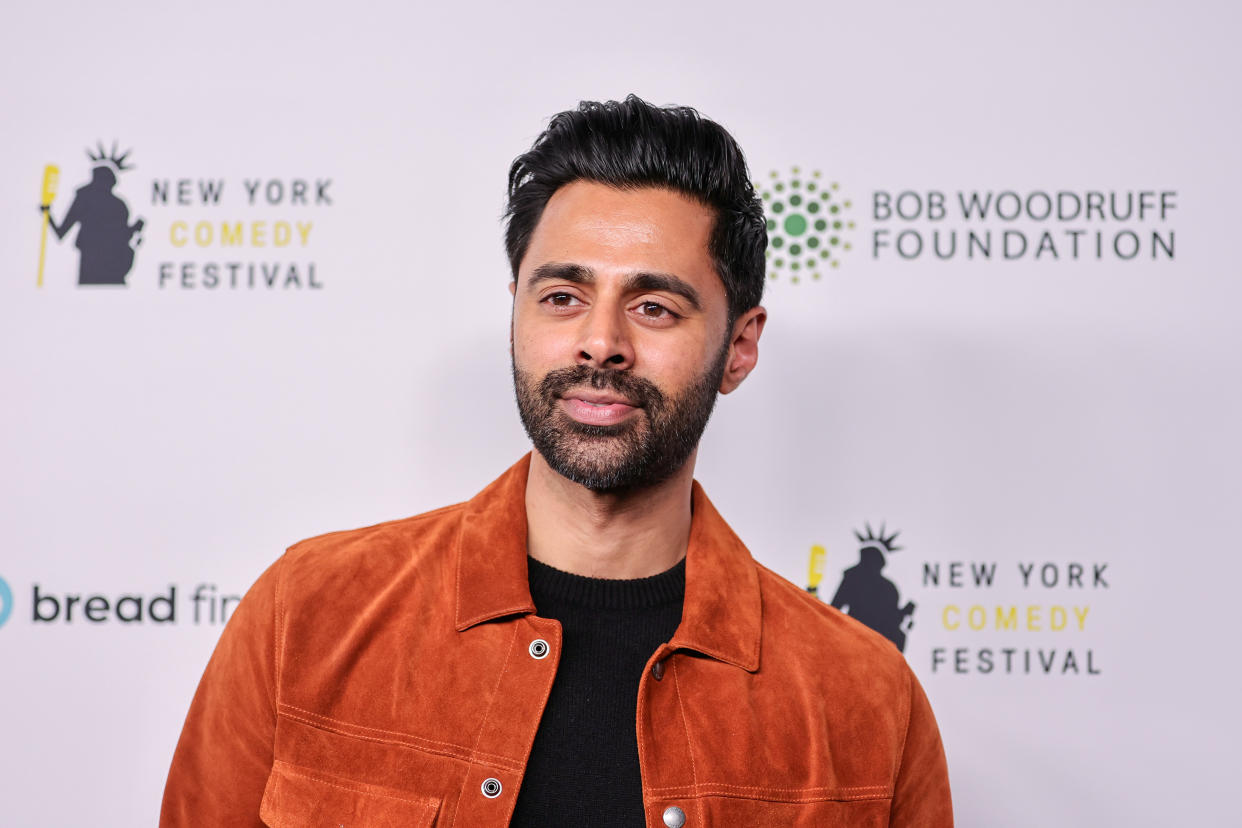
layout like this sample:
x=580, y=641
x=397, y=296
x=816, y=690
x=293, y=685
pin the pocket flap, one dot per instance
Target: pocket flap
x=303, y=798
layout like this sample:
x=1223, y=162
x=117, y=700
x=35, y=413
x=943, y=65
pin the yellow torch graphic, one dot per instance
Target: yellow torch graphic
x=815, y=570
x=51, y=176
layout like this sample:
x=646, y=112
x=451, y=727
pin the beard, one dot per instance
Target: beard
x=646, y=449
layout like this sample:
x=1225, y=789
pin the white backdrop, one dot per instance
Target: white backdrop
x=161, y=439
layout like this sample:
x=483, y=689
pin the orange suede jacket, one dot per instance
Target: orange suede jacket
x=396, y=675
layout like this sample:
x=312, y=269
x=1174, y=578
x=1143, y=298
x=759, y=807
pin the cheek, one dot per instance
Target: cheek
x=673, y=364
x=538, y=347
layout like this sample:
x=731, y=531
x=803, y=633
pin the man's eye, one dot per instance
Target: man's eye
x=654, y=310
x=561, y=300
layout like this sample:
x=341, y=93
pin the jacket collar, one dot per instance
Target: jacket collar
x=721, y=615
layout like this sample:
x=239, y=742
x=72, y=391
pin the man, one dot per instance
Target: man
x=585, y=641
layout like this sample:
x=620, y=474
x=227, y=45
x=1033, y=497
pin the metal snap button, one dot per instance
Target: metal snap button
x=491, y=789
x=657, y=670
x=539, y=648
x=674, y=817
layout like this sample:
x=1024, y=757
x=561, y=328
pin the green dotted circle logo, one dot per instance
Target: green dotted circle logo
x=808, y=224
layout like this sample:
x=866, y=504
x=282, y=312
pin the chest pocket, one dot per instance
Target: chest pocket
x=301, y=798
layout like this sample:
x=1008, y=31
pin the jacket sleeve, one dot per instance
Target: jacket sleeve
x=921, y=796
x=224, y=755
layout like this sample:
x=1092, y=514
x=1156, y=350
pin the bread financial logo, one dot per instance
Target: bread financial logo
x=809, y=227
x=6, y=601
x=864, y=593
x=201, y=233
x=106, y=238
x=205, y=605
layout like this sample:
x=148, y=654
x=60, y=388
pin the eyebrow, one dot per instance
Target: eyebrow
x=640, y=281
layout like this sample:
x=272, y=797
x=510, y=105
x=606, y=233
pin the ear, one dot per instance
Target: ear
x=743, y=348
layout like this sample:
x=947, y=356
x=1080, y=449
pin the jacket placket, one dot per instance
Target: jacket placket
x=665, y=754
x=498, y=759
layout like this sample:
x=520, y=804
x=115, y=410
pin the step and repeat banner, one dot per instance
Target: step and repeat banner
x=996, y=415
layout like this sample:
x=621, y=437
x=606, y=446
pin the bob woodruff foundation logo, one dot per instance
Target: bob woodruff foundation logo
x=812, y=224
x=864, y=593
x=809, y=227
x=106, y=239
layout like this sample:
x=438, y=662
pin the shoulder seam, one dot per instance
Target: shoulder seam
x=905, y=738
x=278, y=637
x=804, y=596
x=825, y=610
x=376, y=527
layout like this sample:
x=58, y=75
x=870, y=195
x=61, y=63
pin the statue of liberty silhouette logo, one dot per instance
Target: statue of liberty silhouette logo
x=865, y=593
x=105, y=237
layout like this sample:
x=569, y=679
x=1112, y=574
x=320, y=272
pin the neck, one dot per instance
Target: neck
x=632, y=534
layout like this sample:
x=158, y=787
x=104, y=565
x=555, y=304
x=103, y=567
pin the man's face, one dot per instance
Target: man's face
x=619, y=334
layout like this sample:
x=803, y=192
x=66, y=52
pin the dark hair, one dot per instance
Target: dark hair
x=630, y=144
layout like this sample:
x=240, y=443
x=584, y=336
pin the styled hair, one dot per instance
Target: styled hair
x=630, y=144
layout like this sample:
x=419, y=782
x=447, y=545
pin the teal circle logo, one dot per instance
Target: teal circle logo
x=6, y=601
x=809, y=227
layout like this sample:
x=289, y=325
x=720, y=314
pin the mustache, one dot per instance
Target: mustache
x=637, y=390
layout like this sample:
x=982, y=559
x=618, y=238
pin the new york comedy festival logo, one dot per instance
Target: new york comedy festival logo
x=195, y=233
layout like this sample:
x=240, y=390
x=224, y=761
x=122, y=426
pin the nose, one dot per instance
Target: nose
x=604, y=341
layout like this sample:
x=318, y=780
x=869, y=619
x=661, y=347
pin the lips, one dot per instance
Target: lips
x=599, y=398
x=597, y=407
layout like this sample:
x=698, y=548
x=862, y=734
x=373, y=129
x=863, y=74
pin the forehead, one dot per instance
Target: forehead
x=620, y=231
